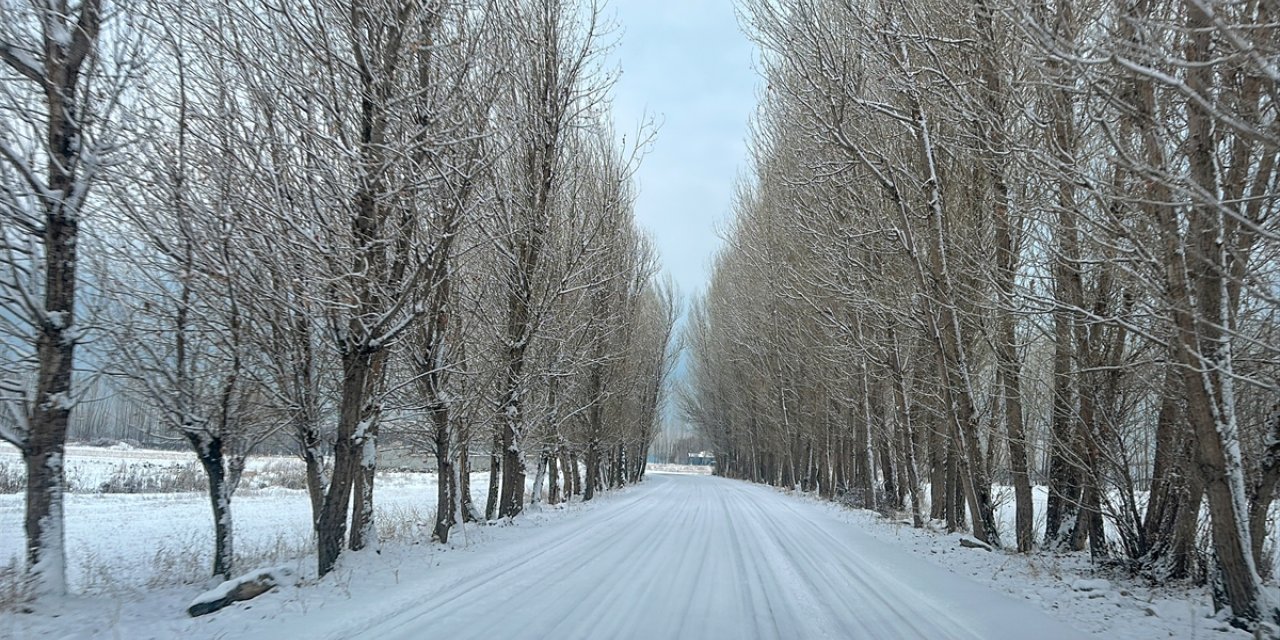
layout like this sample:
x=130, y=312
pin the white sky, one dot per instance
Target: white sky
x=686, y=64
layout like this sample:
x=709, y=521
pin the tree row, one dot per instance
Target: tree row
x=1012, y=243
x=340, y=222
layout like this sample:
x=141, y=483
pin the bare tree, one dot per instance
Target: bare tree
x=558, y=86
x=61, y=90
x=339, y=205
x=178, y=338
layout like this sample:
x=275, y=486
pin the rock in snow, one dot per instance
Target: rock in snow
x=1086, y=584
x=974, y=544
x=245, y=587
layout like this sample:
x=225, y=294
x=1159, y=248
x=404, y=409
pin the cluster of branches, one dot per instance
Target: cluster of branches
x=336, y=221
x=1012, y=242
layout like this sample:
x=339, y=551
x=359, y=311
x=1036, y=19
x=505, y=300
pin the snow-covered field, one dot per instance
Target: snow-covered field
x=122, y=469
x=147, y=540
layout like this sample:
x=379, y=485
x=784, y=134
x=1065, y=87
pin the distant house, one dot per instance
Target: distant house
x=702, y=458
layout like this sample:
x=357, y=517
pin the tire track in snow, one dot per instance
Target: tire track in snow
x=502, y=564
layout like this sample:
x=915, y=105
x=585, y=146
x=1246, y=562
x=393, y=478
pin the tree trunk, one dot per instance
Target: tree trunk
x=553, y=478
x=1016, y=437
x=363, y=528
x=1063, y=507
x=465, y=503
x=576, y=473
x=513, y=472
x=593, y=472
x=1264, y=490
x=446, y=491
x=938, y=475
x=903, y=420
x=539, y=476
x=620, y=466
x=991, y=128
x=209, y=453
x=892, y=492
x=1009, y=379
x=567, y=467
x=948, y=335
x=495, y=468
x=1173, y=510
x=1067, y=461
x=1206, y=350
x=332, y=524
x=309, y=445
x=865, y=465
x=956, y=517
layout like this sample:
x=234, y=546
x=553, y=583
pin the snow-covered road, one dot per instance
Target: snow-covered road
x=686, y=556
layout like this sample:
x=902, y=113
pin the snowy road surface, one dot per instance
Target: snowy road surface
x=684, y=556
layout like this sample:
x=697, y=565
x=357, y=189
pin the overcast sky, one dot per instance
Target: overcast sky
x=686, y=63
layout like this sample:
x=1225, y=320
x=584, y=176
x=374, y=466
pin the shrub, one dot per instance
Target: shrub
x=287, y=474
x=403, y=523
x=13, y=478
x=149, y=477
x=15, y=590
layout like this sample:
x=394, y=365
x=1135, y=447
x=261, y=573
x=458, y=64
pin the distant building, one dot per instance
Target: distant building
x=702, y=458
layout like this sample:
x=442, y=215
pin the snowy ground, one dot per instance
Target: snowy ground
x=1066, y=586
x=678, y=556
x=694, y=557
x=682, y=555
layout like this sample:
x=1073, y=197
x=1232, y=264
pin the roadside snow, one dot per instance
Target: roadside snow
x=365, y=579
x=1066, y=586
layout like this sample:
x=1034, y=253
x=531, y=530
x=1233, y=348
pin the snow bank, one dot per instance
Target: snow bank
x=1067, y=586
